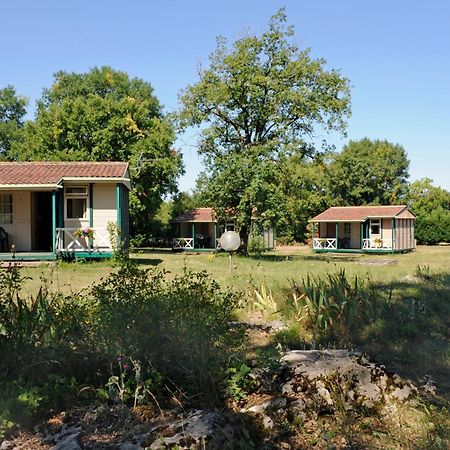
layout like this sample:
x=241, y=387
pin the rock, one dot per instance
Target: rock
x=324, y=376
x=199, y=429
x=258, y=408
x=402, y=393
x=6, y=445
x=130, y=446
x=267, y=422
x=68, y=443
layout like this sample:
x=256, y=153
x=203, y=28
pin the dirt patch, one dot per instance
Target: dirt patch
x=379, y=262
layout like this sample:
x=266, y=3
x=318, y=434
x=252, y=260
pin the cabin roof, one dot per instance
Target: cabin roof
x=16, y=174
x=196, y=215
x=359, y=213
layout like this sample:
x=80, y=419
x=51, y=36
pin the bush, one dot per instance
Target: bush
x=173, y=335
x=256, y=244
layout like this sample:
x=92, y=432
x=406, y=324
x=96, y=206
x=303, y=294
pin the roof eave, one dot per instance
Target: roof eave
x=29, y=187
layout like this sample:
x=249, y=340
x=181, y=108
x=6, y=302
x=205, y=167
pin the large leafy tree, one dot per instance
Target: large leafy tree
x=305, y=187
x=104, y=115
x=369, y=172
x=12, y=112
x=431, y=205
x=261, y=100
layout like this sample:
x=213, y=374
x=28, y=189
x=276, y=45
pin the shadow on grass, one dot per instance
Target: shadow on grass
x=412, y=336
x=327, y=258
x=147, y=261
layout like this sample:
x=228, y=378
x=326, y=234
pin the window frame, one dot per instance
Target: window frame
x=376, y=223
x=348, y=229
x=3, y=205
x=84, y=195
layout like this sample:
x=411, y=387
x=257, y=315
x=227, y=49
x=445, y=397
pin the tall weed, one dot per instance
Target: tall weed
x=333, y=305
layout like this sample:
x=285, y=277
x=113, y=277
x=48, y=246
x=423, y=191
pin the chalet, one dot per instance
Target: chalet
x=62, y=208
x=199, y=230
x=375, y=229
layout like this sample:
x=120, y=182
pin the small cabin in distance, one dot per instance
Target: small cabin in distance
x=372, y=229
x=198, y=230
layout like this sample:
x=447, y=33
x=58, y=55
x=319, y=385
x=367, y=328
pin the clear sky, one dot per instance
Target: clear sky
x=395, y=52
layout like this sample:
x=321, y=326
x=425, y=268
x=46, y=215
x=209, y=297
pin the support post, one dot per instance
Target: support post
x=119, y=214
x=91, y=213
x=215, y=236
x=91, y=205
x=312, y=237
x=54, y=222
x=337, y=235
x=361, y=225
x=394, y=237
x=193, y=235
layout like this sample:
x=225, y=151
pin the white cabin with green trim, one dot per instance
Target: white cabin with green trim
x=368, y=229
x=71, y=209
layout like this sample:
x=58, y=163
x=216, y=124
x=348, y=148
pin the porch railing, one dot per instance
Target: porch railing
x=377, y=244
x=325, y=243
x=182, y=243
x=67, y=242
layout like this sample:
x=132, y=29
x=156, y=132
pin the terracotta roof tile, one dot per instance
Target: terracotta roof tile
x=196, y=215
x=358, y=213
x=40, y=173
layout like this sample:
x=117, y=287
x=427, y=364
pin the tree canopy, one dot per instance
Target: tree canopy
x=260, y=100
x=369, y=172
x=104, y=115
x=12, y=112
x=431, y=205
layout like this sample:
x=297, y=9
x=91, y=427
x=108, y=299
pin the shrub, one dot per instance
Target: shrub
x=256, y=244
x=174, y=335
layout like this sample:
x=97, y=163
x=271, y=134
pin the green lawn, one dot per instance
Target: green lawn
x=414, y=344
x=275, y=269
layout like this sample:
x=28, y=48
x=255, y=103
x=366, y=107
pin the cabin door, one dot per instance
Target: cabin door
x=42, y=221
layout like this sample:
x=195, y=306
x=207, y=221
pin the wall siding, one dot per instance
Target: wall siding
x=104, y=203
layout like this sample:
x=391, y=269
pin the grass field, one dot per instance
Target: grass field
x=414, y=347
x=410, y=333
x=275, y=269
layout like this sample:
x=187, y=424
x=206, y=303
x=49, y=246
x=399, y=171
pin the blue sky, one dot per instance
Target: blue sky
x=396, y=54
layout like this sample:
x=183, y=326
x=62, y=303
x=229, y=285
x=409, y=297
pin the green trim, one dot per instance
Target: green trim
x=91, y=205
x=54, y=222
x=27, y=257
x=193, y=235
x=119, y=212
x=394, y=235
x=312, y=232
x=84, y=255
x=357, y=250
x=337, y=235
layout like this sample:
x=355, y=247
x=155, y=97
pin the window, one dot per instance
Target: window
x=76, y=202
x=347, y=229
x=5, y=208
x=375, y=226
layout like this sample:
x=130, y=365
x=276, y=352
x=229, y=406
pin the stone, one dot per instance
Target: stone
x=402, y=393
x=69, y=442
x=6, y=445
x=267, y=422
